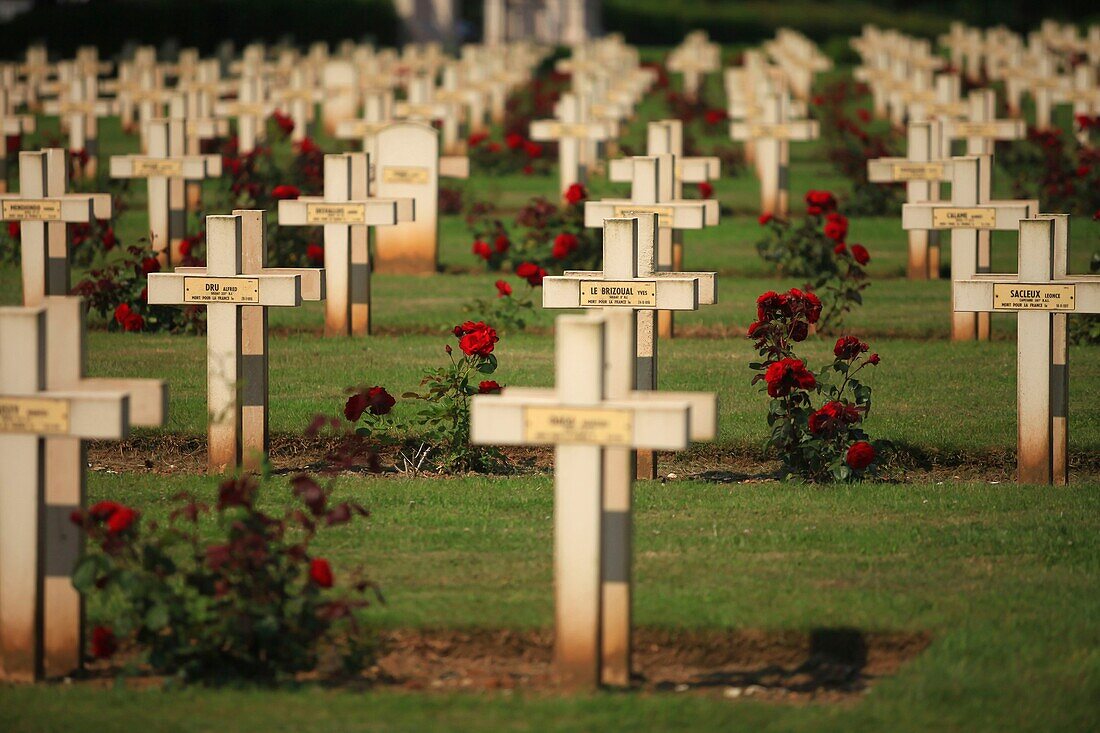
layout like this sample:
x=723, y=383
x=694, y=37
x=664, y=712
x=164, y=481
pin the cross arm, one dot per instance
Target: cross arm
x=17, y=124
x=673, y=214
x=170, y=288
x=644, y=293
x=148, y=397
x=798, y=131
x=995, y=215
x=454, y=166
x=699, y=169
x=993, y=130
x=313, y=278
x=708, y=281
x=1005, y=293
x=898, y=170
x=354, y=129
x=72, y=413
x=190, y=167
x=538, y=417
x=557, y=130
x=312, y=212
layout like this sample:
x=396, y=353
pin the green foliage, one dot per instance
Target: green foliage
x=252, y=604
x=510, y=312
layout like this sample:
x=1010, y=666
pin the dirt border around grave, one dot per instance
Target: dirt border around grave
x=168, y=454
x=828, y=665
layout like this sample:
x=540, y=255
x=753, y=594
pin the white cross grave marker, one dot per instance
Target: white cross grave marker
x=570, y=131
x=772, y=137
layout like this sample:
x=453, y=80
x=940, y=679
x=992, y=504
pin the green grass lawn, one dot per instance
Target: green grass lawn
x=1002, y=577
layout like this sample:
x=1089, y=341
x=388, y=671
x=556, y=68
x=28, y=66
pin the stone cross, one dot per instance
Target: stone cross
x=166, y=168
x=29, y=412
x=624, y=262
x=772, y=137
x=11, y=125
x=346, y=211
x=695, y=58
x=422, y=106
x=981, y=128
x=409, y=166
x=43, y=208
x=251, y=109
x=66, y=458
x=969, y=212
x=923, y=170
x=377, y=113
x=81, y=109
x=298, y=100
x=340, y=83
x=570, y=131
x=1042, y=295
x=594, y=420
x=653, y=183
x=225, y=290
x=255, y=436
x=197, y=127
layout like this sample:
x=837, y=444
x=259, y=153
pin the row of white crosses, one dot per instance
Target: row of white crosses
x=595, y=419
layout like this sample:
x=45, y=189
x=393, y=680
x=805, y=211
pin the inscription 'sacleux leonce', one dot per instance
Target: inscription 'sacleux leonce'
x=405, y=174
x=1037, y=297
x=157, y=167
x=34, y=415
x=336, y=213
x=32, y=210
x=664, y=213
x=578, y=425
x=627, y=293
x=918, y=171
x=968, y=218
x=221, y=290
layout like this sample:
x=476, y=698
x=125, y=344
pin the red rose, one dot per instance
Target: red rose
x=832, y=416
x=488, y=387
x=315, y=253
x=813, y=211
x=575, y=193
x=513, y=140
x=103, y=510
x=864, y=115
x=121, y=520
x=771, y=304
x=150, y=264
x=144, y=295
x=860, y=455
x=286, y=191
x=185, y=247
x=564, y=244
x=705, y=190
x=320, y=572
x=108, y=238
x=765, y=218
x=381, y=401
x=532, y=273
x=836, y=227
x=501, y=244
x=503, y=289
x=479, y=341
x=494, y=147
x=533, y=149
x=714, y=116
x=104, y=644
x=482, y=250
x=840, y=249
x=873, y=359
x=355, y=406
x=822, y=199
x=13, y=229
x=126, y=317
x=860, y=254
x=232, y=165
x=848, y=347
x=285, y=123
x=476, y=139
x=787, y=374
x=1083, y=170
x=307, y=146
x=528, y=169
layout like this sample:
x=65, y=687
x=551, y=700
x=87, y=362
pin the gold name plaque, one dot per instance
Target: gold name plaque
x=918, y=171
x=34, y=416
x=221, y=290
x=774, y=132
x=1034, y=297
x=954, y=218
x=626, y=293
x=408, y=174
x=336, y=213
x=664, y=213
x=32, y=210
x=157, y=167
x=976, y=129
x=578, y=425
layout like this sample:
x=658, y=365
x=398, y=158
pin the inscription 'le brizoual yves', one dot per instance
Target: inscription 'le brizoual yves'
x=629, y=293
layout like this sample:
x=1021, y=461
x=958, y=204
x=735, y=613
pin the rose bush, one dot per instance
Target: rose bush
x=229, y=592
x=1058, y=169
x=815, y=443
x=511, y=311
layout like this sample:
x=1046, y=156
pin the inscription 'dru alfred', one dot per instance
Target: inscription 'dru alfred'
x=157, y=167
x=955, y=218
x=336, y=213
x=578, y=425
x=32, y=210
x=628, y=293
x=918, y=172
x=34, y=415
x=1037, y=297
x=405, y=174
x=221, y=290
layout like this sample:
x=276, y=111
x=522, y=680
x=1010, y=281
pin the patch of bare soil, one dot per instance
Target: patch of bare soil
x=181, y=454
x=825, y=665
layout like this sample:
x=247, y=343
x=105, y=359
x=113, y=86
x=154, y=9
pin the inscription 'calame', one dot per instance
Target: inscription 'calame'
x=625, y=293
x=970, y=218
